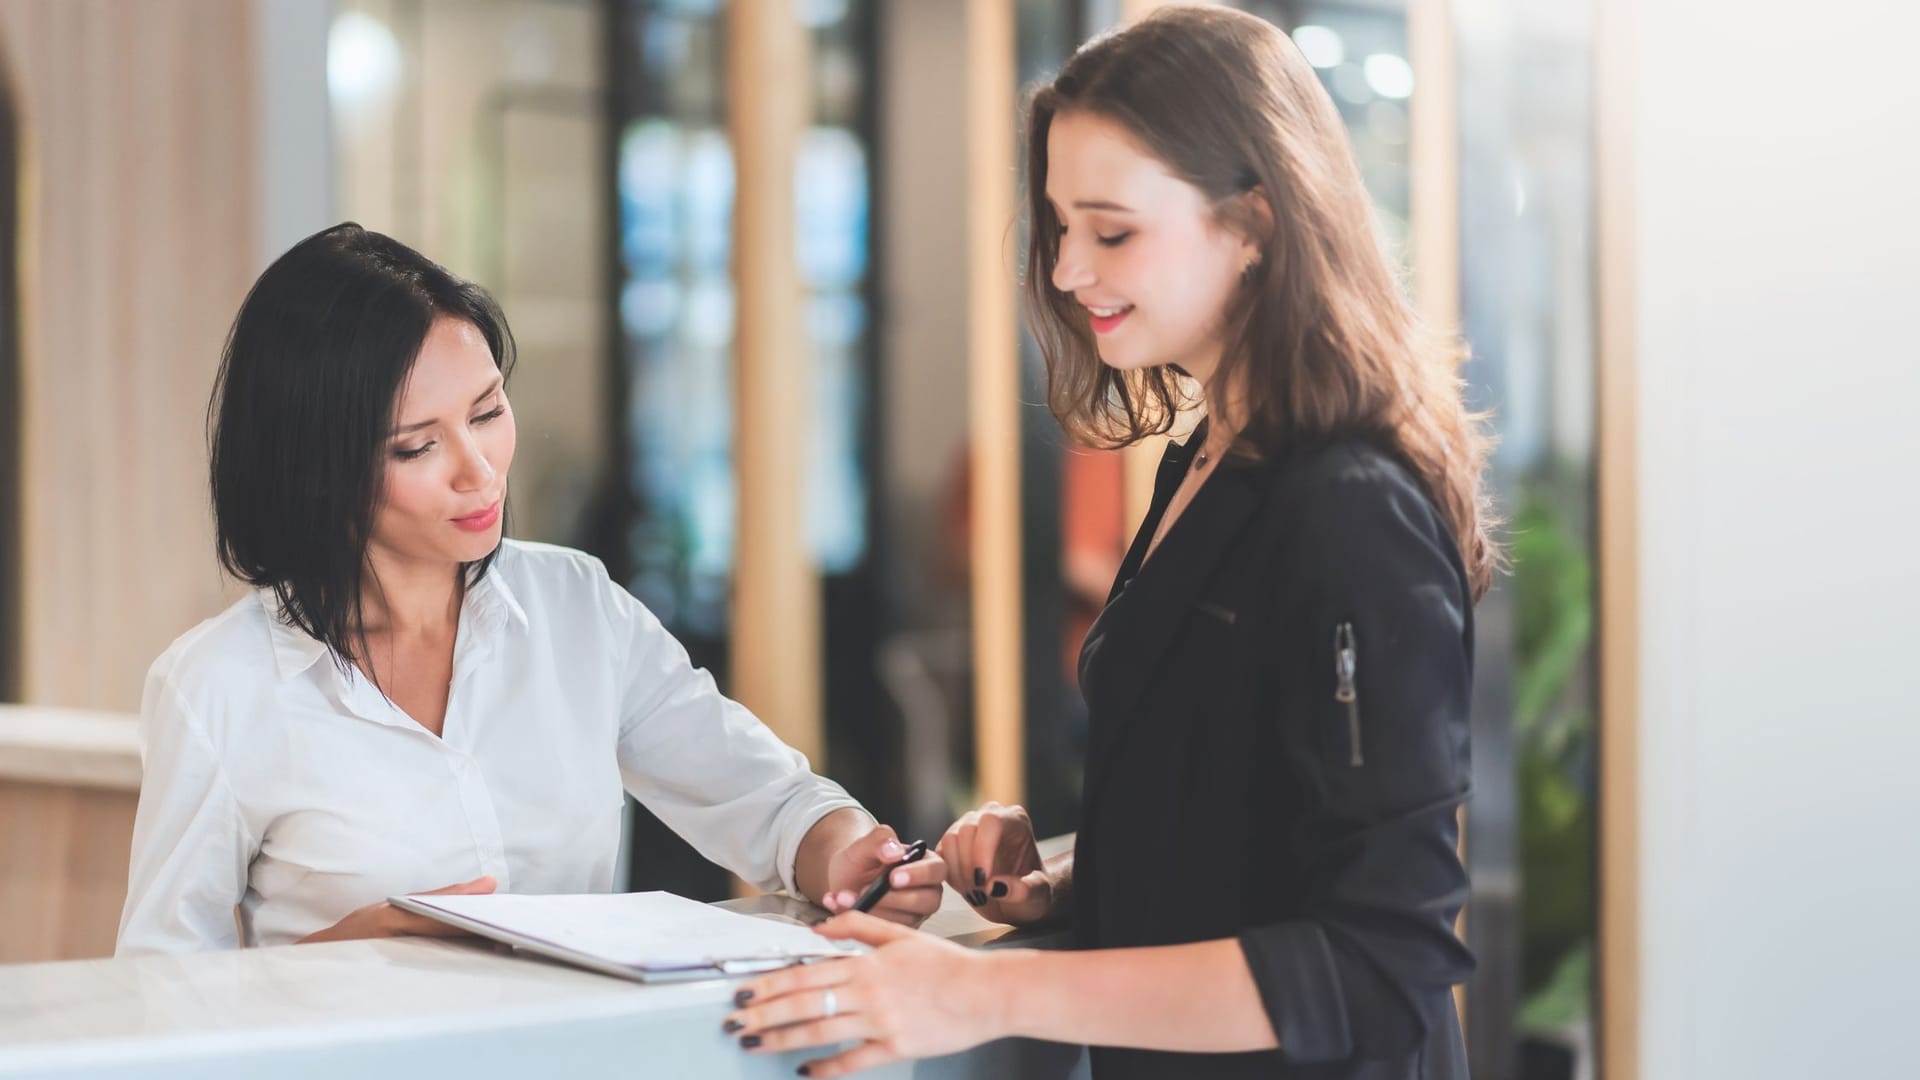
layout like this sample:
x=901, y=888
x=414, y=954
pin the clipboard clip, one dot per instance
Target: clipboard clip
x=752, y=965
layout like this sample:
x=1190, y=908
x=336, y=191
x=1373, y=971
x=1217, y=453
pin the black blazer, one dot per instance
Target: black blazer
x=1233, y=790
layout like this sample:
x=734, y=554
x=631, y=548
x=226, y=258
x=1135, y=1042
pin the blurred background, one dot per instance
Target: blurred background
x=760, y=259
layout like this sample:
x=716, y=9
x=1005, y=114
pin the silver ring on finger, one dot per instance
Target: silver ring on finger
x=832, y=1004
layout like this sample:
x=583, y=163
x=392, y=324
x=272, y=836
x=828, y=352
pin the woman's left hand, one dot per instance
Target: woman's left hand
x=914, y=996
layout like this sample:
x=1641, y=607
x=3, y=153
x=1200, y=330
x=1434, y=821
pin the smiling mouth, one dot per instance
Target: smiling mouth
x=1106, y=320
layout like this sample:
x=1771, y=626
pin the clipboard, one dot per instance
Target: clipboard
x=652, y=937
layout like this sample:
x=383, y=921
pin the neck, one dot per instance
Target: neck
x=409, y=599
x=1225, y=416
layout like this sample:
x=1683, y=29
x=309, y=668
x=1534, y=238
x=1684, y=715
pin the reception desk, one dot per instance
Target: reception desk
x=406, y=1007
x=69, y=782
x=420, y=1008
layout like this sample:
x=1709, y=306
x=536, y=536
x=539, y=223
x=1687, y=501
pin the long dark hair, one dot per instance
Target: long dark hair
x=303, y=408
x=1321, y=341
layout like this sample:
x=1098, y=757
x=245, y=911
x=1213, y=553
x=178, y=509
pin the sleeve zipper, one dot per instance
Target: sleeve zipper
x=1345, y=661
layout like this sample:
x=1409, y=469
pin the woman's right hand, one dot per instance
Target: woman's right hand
x=993, y=860
x=384, y=920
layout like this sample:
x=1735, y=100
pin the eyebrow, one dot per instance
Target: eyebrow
x=1094, y=204
x=491, y=389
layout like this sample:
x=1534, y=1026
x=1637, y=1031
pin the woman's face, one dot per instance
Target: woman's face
x=1140, y=249
x=448, y=456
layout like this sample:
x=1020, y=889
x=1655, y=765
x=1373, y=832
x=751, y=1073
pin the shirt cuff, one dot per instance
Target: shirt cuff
x=803, y=823
x=1299, y=983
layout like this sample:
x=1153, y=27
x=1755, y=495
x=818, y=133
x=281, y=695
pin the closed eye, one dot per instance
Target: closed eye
x=1105, y=241
x=494, y=414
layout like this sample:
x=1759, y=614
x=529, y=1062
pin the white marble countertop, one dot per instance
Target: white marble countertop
x=414, y=1007
x=76, y=747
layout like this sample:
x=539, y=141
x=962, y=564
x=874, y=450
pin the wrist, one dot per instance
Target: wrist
x=1060, y=884
x=832, y=834
x=1012, y=992
x=377, y=921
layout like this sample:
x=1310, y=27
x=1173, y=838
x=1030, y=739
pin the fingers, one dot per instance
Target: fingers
x=813, y=1033
x=791, y=980
x=866, y=929
x=985, y=845
x=949, y=851
x=1024, y=900
x=986, y=855
x=1012, y=890
x=801, y=1007
x=909, y=907
x=478, y=886
x=960, y=863
x=929, y=872
x=1019, y=890
x=406, y=923
x=913, y=888
x=915, y=892
x=878, y=847
x=865, y=1056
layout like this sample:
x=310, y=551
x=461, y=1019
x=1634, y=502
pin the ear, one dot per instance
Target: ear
x=1256, y=221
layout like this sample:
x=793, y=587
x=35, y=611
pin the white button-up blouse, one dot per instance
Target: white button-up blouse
x=277, y=784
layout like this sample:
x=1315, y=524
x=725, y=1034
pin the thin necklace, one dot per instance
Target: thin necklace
x=1201, y=459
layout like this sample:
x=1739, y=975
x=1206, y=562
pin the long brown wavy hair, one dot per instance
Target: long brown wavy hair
x=1321, y=342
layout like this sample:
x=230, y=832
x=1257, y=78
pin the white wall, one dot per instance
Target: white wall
x=1777, y=163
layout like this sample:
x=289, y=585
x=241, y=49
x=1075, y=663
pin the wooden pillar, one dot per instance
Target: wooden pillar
x=1434, y=164
x=1617, y=466
x=10, y=445
x=776, y=596
x=1434, y=211
x=994, y=401
x=137, y=148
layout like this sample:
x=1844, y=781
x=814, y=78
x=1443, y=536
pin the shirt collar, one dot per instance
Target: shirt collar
x=489, y=609
x=491, y=606
x=294, y=650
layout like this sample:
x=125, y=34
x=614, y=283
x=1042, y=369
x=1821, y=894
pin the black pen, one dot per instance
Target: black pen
x=915, y=852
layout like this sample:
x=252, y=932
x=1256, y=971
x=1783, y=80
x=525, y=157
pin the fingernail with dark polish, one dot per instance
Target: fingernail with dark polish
x=748, y=1042
x=979, y=876
x=742, y=998
x=979, y=898
x=971, y=899
x=999, y=888
x=731, y=1026
x=805, y=1070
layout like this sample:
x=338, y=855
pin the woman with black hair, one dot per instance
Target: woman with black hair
x=408, y=701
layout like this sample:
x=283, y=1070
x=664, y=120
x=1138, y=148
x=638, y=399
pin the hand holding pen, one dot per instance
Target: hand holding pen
x=877, y=873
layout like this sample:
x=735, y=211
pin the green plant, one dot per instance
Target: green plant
x=1553, y=730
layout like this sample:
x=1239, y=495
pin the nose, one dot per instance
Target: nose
x=1071, y=269
x=473, y=472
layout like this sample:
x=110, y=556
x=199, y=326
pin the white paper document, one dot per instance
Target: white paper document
x=648, y=935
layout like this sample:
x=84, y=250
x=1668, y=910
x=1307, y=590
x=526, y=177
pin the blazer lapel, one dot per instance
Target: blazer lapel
x=1145, y=612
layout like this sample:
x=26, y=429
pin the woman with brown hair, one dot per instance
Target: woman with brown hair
x=1266, y=876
